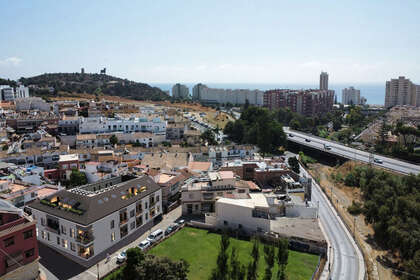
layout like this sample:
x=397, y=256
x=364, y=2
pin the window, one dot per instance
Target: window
x=48, y=236
x=112, y=224
x=132, y=225
x=33, y=194
x=58, y=240
x=112, y=236
x=43, y=221
x=63, y=229
x=145, y=205
x=72, y=232
x=27, y=234
x=132, y=213
x=43, y=234
x=157, y=198
x=29, y=253
x=9, y=241
x=72, y=247
x=225, y=223
x=147, y=216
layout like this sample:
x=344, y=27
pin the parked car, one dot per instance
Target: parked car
x=144, y=245
x=377, y=160
x=155, y=236
x=181, y=222
x=171, y=228
x=122, y=257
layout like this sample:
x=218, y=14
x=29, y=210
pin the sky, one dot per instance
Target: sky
x=213, y=41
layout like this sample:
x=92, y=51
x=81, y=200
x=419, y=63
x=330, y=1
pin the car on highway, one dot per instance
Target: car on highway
x=378, y=160
x=290, y=135
x=144, y=245
x=122, y=257
x=155, y=236
x=171, y=228
x=307, y=140
x=327, y=147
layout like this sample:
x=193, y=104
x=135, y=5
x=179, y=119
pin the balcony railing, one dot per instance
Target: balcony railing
x=85, y=238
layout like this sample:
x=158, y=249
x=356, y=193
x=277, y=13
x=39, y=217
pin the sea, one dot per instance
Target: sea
x=373, y=92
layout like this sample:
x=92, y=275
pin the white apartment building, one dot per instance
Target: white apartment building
x=85, y=222
x=401, y=91
x=258, y=212
x=32, y=103
x=223, y=96
x=323, y=81
x=199, y=195
x=196, y=92
x=180, y=91
x=21, y=92
x=133, y=124
x=9, y=93
x=351, y=96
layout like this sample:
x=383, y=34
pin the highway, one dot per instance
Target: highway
x=351, y=153
x=347, y=260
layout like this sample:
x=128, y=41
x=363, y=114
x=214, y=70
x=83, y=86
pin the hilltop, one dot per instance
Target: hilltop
x=56, y=83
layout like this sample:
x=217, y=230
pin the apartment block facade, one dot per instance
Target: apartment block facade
x=107, y=125
x=223, y=96
x=180, y=91
x=350, y=96
x=87, y=221
x=305, y=102
x=19, y=246
x=401, y=91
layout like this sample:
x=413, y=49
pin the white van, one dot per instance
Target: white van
x=155, y=236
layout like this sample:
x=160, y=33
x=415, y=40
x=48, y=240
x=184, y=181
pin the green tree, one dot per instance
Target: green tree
x=294, y=164
x=283, y=252
x=77, y=178
x=209, y=137
x=222, y=269
x=113, y=139
x=135, y=257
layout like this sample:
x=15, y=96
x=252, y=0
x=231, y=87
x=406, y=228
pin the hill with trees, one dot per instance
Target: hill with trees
x=53, y=83
x=7, y=82
x=391, y=204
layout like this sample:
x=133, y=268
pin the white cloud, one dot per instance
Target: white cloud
x=11, y=61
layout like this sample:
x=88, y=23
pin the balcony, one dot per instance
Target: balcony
x=84, y=237
x=85, y=252
x=123, y=218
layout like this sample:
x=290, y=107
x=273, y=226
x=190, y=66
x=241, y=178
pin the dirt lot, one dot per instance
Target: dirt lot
x=343, y=197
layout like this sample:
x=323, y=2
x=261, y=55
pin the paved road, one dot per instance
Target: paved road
x=56, y=266
x=350, y=153
x=347, y=260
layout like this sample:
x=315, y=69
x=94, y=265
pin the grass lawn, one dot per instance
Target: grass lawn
x=200, y=249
